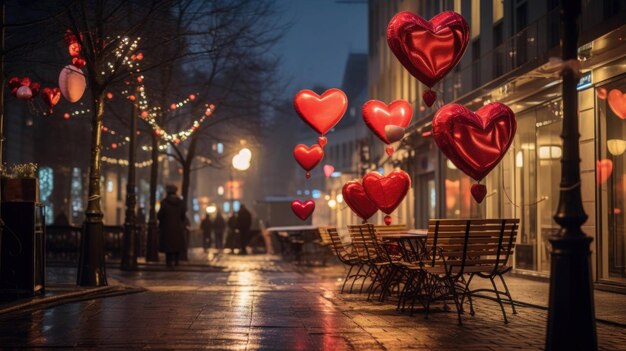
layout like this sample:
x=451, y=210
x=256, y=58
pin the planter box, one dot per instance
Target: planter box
x=20, y=190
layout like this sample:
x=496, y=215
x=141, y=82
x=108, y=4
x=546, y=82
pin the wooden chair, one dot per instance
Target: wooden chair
x=330, y=237
x=372, y=254
x=476, y=247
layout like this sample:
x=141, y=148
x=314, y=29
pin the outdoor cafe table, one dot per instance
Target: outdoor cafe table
x=292, y=239
x=412, y=243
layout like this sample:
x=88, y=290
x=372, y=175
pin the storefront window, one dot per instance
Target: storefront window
x=611, y=177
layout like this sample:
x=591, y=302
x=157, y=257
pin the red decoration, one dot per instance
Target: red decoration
x=51, y=97
x=356, y=198
x=35, y=88
x=604, y=168
x=328, y=170
x=429, y=97
x=78, y=62
x=109, y=95
x=303, y=210
x=617, y=103
x=389, y=150
x=601, y=92
x=308, y=157
x=394, y=133
x=192, y=97
x=377, y=115
x=66, y=115
x=428, y=49
x=474, y=142
x=322, y=113
x=322, y=141
x=386, y=192
x=387, y=219
x=479, y=191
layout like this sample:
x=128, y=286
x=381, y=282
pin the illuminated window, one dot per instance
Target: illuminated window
x=498, y=10
x=236, y=206
x=226, y=207
x=76, y=193
x=475, y=19
x=46, y=185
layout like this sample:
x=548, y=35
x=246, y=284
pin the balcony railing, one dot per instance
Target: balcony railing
x=528, y=48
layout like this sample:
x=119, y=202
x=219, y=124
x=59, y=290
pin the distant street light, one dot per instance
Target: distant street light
x=211, y=209
x=241, y=161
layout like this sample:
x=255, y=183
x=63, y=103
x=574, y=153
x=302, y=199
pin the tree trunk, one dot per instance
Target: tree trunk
x=91, y=266
x=152, y=247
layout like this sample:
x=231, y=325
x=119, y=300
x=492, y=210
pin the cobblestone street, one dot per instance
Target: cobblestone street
x=257, y=302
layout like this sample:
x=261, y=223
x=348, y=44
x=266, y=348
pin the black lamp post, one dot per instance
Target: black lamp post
x=129, y=255
x=571, y=318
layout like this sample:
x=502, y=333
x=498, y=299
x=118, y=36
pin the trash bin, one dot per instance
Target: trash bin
x=22, y=256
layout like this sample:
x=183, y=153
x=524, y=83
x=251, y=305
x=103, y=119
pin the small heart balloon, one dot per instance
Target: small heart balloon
x=479, y=191
x=51, y=97
x=321, y=113
x=428, y=49
x=387, y=192
x=394, y=133
x=378, y=116
x=474, y=142
x=303, y=210
x=308, y=157
x=328, y=170
x=429, y=97
x=356, y=198
x=617, y=103
x=604, y=169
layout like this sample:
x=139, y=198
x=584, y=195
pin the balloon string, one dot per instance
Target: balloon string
x=543, y=198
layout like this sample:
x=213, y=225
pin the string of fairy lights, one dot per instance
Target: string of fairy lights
x=147, y=113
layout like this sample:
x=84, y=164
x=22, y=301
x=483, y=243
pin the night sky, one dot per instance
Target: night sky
x=315, y=48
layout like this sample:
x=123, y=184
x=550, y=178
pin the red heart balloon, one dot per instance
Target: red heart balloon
x=308, y=157
x=617, y=103
x=356, y=198
x=51, y=97
x=386, y=192
x=604, y=168
x=474, y=142
x=321, y=112
x=377, y=115
x=428, y=49
x=303, y=210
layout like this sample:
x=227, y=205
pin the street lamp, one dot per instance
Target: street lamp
x=240, y=162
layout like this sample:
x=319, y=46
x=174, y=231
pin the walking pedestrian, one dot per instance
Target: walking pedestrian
x=244, y=221
x=206, y=227
x=219, y=225
x=172, y=226
x=231, y=238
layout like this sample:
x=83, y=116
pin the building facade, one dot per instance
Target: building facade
x=509, y=60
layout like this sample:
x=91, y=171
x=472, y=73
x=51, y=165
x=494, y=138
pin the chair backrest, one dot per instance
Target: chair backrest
x=324, y=235
x=363, y=237
x=471, y=242
x=382, y=229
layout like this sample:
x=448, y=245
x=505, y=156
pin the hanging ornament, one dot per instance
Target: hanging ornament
x=474, y=142
x=387, y=192
x=308, y=157
x=328, y=170
x=354, y=195
x=378, y=116
x=50, y=97
x=321, y=113
x=617, y=103
x=24, y=93
x=428, y=49
x=303, y=210
x=72, y=83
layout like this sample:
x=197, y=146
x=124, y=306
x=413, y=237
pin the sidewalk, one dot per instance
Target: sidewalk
x=260, y=302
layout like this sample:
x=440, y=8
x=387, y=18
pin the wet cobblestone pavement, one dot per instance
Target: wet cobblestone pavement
x=256, y=302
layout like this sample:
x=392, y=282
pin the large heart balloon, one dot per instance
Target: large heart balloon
x=308, y=157
x=356, y=198
x=617, y=103
x=386, y=192
x=377, y=115
x=321, y=112
x=303, y=210
x=428, y=49
x=474, y=142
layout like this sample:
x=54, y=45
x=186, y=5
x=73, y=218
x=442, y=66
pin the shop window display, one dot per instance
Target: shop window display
x=611, y=177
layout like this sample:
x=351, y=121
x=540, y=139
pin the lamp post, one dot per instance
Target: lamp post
x=571, y=318
x=129, y=256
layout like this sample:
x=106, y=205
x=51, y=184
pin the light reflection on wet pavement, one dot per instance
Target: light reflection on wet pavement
x=256, y=302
